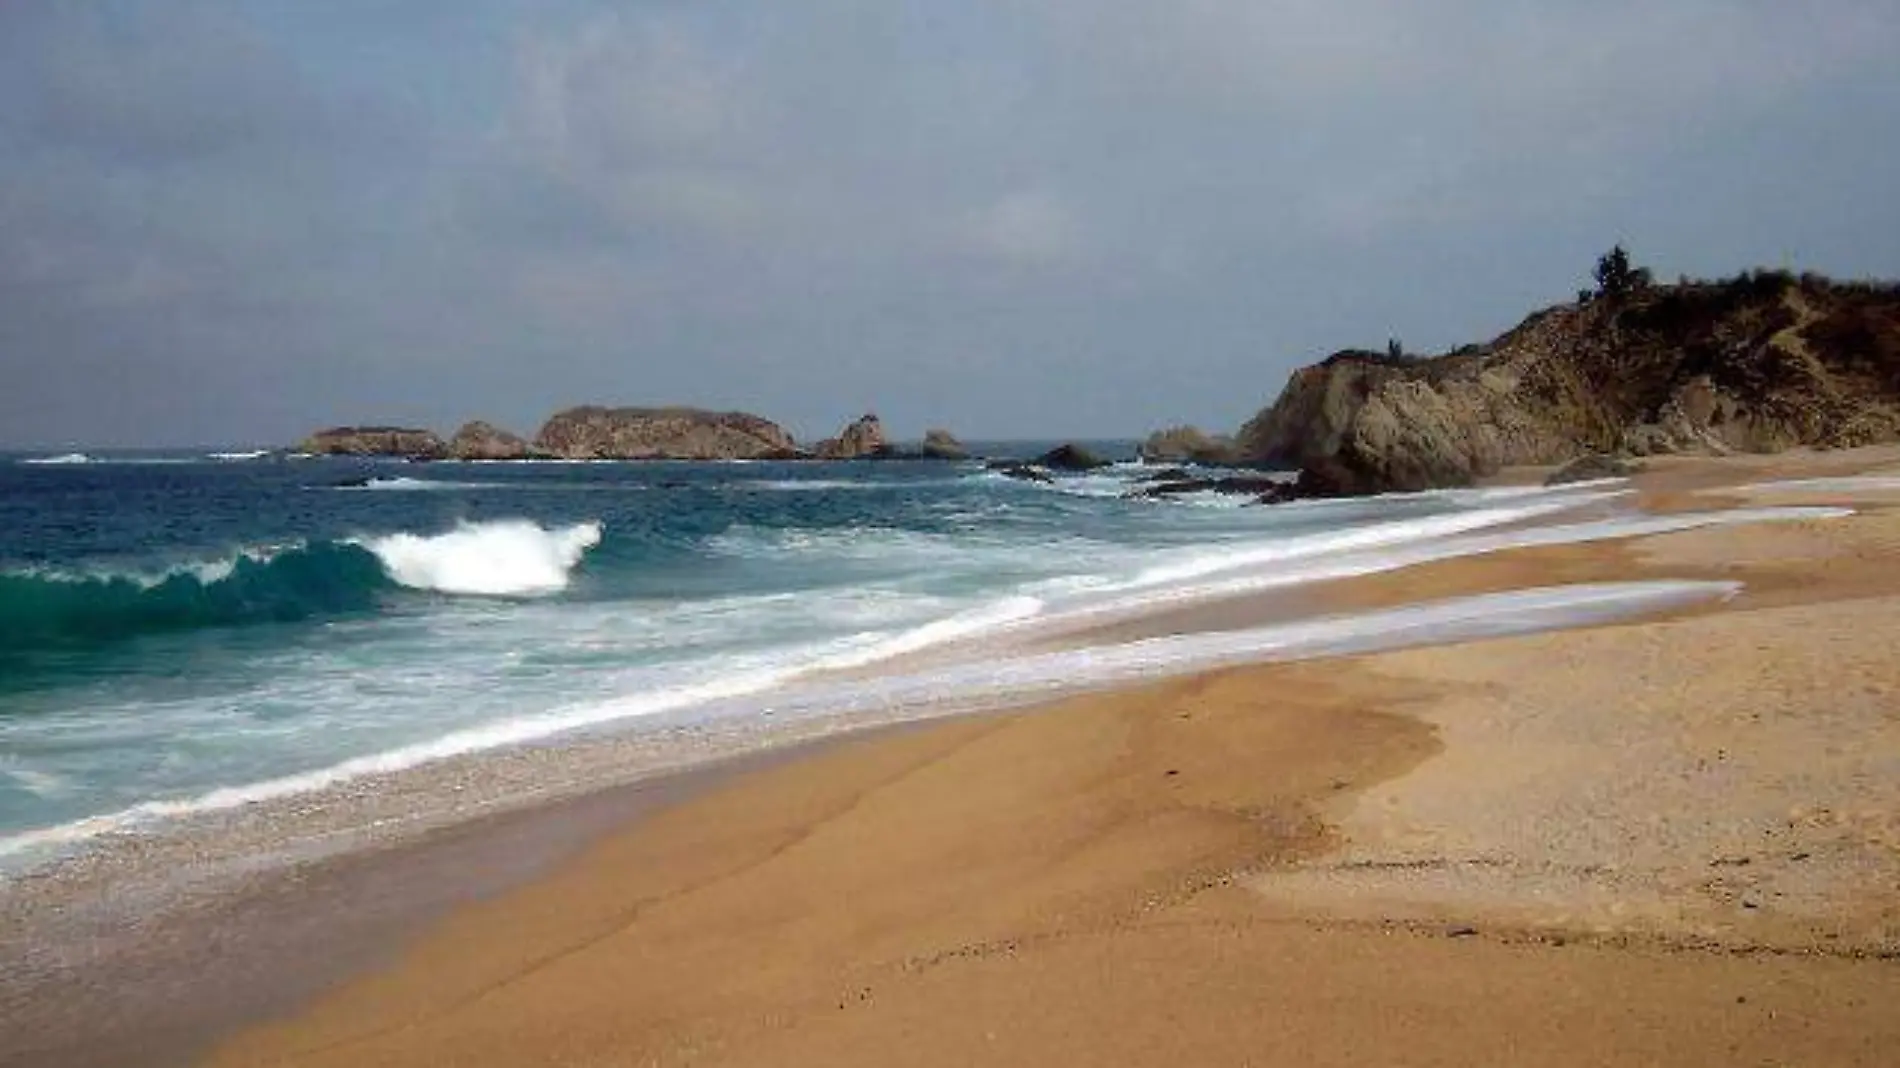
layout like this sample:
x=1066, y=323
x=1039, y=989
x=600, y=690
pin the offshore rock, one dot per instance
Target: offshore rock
x=406, y=442
x=1187, y=444
x=484, y=441
x=1020, y=470
x=940, y=444
x=1070, y=457
x=863, y=439
x=595, y=433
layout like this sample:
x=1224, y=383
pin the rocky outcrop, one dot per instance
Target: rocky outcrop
x=595, y=433
x=1591, y=467
x=1187, y=445
x=485, y=441
x=1261, y=487
x=1070, y=457
x=863, y=439
x=940, y=444
x=406, y=442
x=1758, y=363
x=1020, y=470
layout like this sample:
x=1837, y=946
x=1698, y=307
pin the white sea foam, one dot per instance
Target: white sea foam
x=978, y=620
x=1433, y=623
x=950, y=688
x=406, y=484
x=504, y=558
x=1375, y=535
x=1843, y=484
x=1123, y=601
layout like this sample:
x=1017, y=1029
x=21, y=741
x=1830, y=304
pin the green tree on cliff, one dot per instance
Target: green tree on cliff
x=1616, y=278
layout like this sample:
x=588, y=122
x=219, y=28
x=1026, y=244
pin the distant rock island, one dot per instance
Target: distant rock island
x=485, y=441
x=375, y=441
x=595, y=433
x=592, y=432
x=863, y=438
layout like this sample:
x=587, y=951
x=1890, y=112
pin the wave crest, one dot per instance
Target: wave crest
x=505, y=558
x=42, y=609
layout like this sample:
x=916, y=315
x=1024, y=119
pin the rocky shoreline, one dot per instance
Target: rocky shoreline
x=1760, y=362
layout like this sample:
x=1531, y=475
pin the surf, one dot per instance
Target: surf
x=44, y=608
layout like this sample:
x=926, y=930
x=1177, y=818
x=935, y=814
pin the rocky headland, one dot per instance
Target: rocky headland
x=1759, y=363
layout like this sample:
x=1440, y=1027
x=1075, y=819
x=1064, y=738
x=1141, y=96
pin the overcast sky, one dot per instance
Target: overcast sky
x=233, y=222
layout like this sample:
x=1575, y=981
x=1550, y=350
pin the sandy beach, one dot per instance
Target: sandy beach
x=1671, y=840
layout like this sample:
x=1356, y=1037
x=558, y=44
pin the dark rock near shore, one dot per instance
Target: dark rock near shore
x=402, y=442
x=596, y=433
x=1591, y=467
x=1021, y=470
x=478, y=440
x=1758, y=363
x=1256, y=486
x=1071, y=457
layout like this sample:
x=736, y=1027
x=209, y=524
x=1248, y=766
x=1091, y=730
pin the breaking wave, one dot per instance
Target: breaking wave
x=42, y=608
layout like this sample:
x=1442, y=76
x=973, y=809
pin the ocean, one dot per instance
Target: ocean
x=195, y=632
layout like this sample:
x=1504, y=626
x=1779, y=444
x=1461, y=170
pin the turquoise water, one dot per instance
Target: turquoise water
x=178, y=630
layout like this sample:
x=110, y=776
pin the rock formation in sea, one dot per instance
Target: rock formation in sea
x=1187, y=444
x=406, y=442
x=1070, y=457
x=478, y=440
x=1758, y=363
x=863, y=439
x=940, y=444
x=596, y=433
x=1020, y=470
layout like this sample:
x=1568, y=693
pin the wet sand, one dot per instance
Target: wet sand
x=1667, y=841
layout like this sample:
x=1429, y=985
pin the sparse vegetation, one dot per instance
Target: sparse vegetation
x=1615, y=278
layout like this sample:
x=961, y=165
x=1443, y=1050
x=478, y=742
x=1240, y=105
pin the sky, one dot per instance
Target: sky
x=234, y=222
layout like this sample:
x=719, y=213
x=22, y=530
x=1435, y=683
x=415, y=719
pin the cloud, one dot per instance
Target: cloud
x=239, y=220
x=1025, y=227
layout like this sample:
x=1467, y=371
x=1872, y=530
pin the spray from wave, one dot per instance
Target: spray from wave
x=508, y=558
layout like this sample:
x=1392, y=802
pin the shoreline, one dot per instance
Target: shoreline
x=1494, y=571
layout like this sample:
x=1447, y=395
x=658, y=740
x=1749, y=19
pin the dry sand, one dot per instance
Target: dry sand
x=1668, y=842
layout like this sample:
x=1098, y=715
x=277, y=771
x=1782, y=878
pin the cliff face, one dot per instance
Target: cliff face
x=594, y=433
x=375, y=441
x=1760, y=363
x=485, y=441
